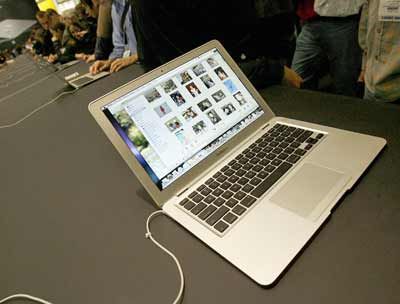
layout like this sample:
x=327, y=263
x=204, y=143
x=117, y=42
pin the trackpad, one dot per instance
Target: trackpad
x=310, y=190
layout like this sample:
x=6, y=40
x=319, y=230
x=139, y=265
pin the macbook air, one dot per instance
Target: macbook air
x=77, y=81
x=211, y=153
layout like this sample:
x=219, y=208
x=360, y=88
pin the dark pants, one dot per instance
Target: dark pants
x=332, y=40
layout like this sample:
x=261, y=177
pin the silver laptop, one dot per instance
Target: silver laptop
x=77, y=81
x=203, y=142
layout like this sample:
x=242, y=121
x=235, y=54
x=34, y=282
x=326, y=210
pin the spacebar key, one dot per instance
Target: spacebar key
x=270, y=180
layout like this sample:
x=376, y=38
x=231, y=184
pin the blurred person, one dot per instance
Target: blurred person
x=42, y=44
x=329, y=34
x=43, y=20
x=380, y=41
x=124, y=51
x=80, y=41
x=246, y=29
x=104, y=43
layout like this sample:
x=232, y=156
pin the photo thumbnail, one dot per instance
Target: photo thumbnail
x=214, y=117
x=177, y=98
x=212, y=62
x=218, y=96
x=184, y=77
x=228, y=109
x=200, y=127
x=168, y=86
x=180, y=135
x=204, y=105
x=221, y=73
x=239, y=97
x=208, y=82
x=173, y=124
x=198, y=69
x=162, y=109
x=193, y=89
x=189, y=114
x=152, y=95
x=230, y=86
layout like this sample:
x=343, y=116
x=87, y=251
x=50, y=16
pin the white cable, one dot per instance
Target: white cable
x=24, y=296
x=36, y=110
x=149, y=236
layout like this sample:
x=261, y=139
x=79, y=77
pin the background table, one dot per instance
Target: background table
x=72, y=216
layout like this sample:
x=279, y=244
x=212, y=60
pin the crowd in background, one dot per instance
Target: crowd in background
x=295, y=42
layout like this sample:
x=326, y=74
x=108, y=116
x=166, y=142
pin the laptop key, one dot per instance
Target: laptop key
x=240, y=195
x=293, y=158
x=248, y=188
x=262, y=174
x=198, y=198
x=219, y=201
x=209, y=199
x=231, y=202
x=217, y=192
x=257, y=168
x=183, y=202
x=243, y=181
x=207, y=212
x=300, y=152
x=271, y=179
x=218, y=174
x=193, y=194
x=201, y=188
x=235, y=188
x=226, y=185
x=227, y=194
x=206, y=191
x=221, y=226
x=239, y=210
x=255, y=181
x=248, y=201
x=196, y=210
x=189, y=205
x=230, y=218
x=222, y=178
x=217, y=215
x=233, y=179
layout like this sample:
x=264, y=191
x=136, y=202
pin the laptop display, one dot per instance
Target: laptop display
x=175, y=121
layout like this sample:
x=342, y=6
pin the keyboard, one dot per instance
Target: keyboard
x=230, y=193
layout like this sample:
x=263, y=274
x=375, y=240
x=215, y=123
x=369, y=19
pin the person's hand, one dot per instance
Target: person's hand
x=120, y=63
x=361, y=78
x=80, y=56
x=89, y=58
x=99, y=66
x=52, y=58
x=291, y=78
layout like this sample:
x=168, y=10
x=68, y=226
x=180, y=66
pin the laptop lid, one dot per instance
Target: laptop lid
x=174, y=123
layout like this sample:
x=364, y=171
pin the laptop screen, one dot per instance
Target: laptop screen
x=175, y=121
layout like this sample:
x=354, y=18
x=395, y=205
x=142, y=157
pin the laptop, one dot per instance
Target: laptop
x=211, y=153
x=77, y=81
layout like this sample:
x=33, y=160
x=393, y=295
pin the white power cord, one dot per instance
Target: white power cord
x=24, y=296
x=149, y=236
x=36, y=110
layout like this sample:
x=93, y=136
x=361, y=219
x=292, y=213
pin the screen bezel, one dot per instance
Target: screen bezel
x=162, y=196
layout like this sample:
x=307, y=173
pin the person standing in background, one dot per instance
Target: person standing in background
x=246, y=28
x=329, y=34
x=124, y=51
x=379, y=37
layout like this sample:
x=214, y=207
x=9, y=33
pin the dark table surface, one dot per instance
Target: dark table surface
x=72, y=215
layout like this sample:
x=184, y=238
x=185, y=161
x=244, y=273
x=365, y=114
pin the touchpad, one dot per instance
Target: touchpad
x=310, y=190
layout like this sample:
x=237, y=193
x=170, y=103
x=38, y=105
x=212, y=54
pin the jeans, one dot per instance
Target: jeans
x=332, y=40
